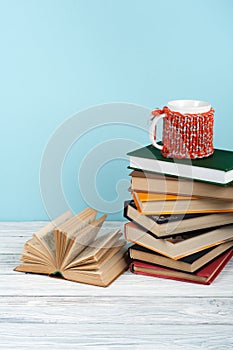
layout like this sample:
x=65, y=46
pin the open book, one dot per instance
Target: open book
x=69, y=247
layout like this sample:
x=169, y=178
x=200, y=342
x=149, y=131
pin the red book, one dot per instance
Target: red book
x=206, y=275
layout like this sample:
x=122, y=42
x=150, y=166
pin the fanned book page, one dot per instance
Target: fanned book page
x=69, y=247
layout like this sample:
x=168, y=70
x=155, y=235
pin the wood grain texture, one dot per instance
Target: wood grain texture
x=135, y=312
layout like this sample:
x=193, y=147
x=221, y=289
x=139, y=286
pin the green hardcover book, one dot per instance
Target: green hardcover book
x=218, y=168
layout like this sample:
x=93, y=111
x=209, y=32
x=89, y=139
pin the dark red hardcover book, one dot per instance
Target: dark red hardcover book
x=206, y=275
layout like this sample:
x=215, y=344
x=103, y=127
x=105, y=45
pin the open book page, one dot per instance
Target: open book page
x=34, y=268
x=60, y=243
x=36, y=248
x=107, y=254
x=46, y=236
x=78, y=221
x=49, y=245
x=103, y=276
x=51, y=225
x=34, y=259
x=67, y=230
x=81, y=239
x=83, y=220
x=97, y=249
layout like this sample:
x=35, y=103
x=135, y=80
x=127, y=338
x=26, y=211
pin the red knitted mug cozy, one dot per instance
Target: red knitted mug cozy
x=186, y=135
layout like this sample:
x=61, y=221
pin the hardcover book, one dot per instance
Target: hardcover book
x=206, y=275
x=218, y=168
x=159, y=203
x=151, y=182
x=190, y=263
x=181, y=245
x=168, y=225
x=69, y=248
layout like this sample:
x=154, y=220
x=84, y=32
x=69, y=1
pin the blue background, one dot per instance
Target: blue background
x=60, y=57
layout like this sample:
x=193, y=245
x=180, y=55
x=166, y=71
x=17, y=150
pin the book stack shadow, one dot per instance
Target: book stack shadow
x=181, y=215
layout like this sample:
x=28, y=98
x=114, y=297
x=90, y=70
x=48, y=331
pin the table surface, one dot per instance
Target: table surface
x=135, y=312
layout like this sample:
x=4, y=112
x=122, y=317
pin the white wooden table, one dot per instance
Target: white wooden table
x=135, y=312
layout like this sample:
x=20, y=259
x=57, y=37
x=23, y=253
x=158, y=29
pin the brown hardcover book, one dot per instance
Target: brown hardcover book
x=190, y=263
x=168, y=225
x=149, y=182
x=69, y=248
x=157, y=203
x=179, y=246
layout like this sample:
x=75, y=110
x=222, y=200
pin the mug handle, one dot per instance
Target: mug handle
x=152, y=131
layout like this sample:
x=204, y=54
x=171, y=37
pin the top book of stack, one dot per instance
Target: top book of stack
x=217, y=169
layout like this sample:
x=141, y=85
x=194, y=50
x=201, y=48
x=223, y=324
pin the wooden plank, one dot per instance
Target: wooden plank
x=114, y=335
x=19, y=284
x=65, y=310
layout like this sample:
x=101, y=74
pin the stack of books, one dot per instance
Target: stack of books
x=181, y=215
